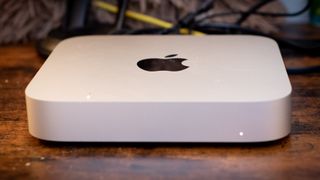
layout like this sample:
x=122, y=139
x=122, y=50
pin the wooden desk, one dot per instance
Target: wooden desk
x=24, y=157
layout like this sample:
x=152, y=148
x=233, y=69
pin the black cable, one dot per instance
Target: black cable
x=199, y=20
x=303, y=45
x=303, y=70
x=251, y=10
x=205, y=6
x=304, y=9
x=227, y=5
x=188, y=20
x=225, y=29
x=146, y=31
x=122, y=8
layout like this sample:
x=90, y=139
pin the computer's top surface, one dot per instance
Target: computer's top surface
x=162, y=69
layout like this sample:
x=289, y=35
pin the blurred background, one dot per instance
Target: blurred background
x=293, y=23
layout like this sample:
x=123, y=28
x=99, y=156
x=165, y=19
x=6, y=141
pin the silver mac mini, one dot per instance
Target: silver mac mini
x=161, y=89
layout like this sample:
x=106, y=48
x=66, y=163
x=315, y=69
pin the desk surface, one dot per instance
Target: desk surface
x=22, y=156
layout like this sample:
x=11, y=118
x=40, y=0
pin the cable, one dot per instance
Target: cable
x=122, y=5
x=188, y=20
x=311, y=46
x=258, y=13
x=304, y=9
x=205, y=6
x=251, y=10
x=303, y=70
x=134, y=15
x=198, y=20
x=146, y=31
x=142, y=17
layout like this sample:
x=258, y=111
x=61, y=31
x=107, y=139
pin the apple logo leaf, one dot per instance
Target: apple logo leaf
x=170, y=55
x=168, y=63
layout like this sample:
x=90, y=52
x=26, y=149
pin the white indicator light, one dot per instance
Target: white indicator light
x=241, y=133
x=88, y=97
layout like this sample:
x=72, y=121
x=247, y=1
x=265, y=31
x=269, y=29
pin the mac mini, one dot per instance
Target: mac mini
x=215, y=88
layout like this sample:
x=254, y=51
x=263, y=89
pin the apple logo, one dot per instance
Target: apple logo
x=168, y=63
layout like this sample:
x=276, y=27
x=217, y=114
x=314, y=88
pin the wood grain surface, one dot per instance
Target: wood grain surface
x=24, y=157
